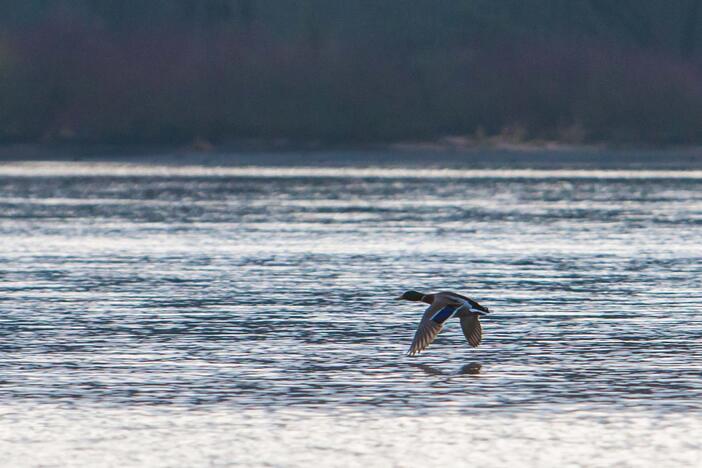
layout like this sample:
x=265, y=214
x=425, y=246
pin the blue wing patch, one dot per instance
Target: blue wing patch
x=444, y=314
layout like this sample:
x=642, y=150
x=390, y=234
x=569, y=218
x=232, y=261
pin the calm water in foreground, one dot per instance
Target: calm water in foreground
x=196, y=316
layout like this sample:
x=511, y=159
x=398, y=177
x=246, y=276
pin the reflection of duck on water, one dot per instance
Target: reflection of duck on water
x=443, y=306
x=471, y=368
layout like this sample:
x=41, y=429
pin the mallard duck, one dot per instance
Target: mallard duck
x=443, y=306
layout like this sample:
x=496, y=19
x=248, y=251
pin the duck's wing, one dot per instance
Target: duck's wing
x=473, y=305
x=472, y=329
x=430, y=326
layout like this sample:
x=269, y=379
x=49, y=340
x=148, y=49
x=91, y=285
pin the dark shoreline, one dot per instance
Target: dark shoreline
x=533, y=156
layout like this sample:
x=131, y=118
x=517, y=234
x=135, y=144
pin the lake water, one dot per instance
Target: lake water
x=199, y=315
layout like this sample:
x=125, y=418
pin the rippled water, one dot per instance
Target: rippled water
x=225, y=306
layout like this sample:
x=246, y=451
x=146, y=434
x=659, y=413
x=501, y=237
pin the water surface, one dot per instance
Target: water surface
x=220, y=307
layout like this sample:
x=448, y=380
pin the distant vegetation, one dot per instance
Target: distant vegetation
x=350, y=71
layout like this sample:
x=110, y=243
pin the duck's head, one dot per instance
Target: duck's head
x=411, y=296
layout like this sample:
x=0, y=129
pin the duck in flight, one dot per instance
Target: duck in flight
x=443, y=306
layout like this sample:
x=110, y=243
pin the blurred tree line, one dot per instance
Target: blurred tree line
x=625, y=71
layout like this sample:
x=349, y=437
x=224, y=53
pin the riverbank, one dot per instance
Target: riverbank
x=444, y=153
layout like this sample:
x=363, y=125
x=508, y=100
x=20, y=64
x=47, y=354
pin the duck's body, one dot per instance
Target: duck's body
x=443, y=306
